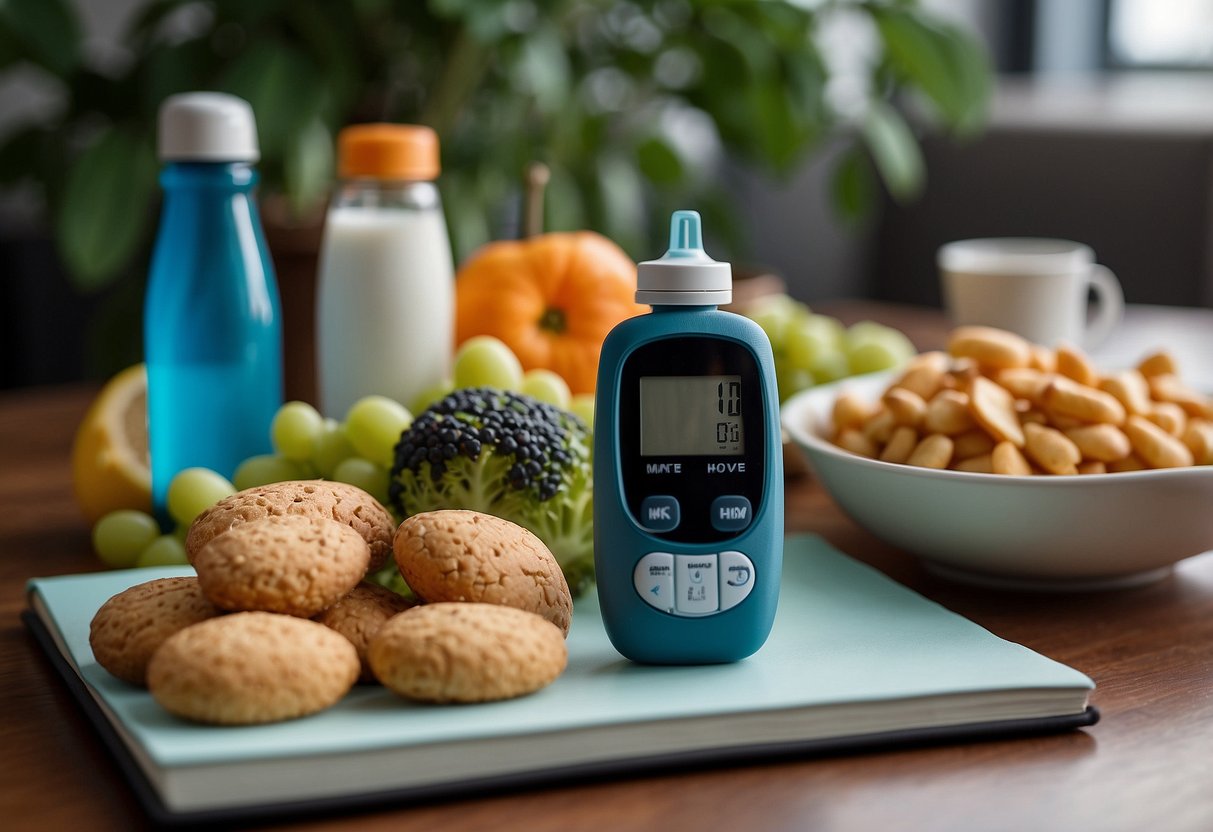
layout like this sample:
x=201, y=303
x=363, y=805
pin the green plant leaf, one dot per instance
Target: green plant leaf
x=284, y=88
x=104, y=213
x=21, y=154
x=308, y=166
x=622, y=195
x=46, y=31
x=895, y=150
x=659, y=162
x=853, y=186
x=944, y=62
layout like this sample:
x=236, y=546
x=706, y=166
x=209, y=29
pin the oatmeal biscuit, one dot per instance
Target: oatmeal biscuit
x=467, y=652
x=459, y=555
x=337, y=501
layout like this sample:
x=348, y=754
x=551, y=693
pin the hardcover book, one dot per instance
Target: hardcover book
x=854, y=661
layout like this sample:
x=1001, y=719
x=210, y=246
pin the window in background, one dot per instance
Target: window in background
x=1176, y=34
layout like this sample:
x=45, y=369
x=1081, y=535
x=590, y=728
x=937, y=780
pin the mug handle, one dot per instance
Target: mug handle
x=1109, y=303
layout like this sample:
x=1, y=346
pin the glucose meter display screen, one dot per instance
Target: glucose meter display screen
x=691, y=416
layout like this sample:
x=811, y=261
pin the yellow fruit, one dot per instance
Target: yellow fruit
x=109, y=457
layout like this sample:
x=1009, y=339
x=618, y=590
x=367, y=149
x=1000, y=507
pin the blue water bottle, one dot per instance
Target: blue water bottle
x=212, y=318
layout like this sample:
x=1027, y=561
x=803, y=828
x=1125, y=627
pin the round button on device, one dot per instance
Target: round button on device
x=731, y=513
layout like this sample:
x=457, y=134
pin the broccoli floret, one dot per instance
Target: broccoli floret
x=505, y=454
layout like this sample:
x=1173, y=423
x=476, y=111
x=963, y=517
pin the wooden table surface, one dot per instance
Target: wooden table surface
x=1147, y=764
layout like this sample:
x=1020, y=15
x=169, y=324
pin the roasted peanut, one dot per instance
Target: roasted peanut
x=1160, y=363
x=879, y=427
x=934, y=451
x=1073, y=363
x=907, y=407
x=1050, y=449
x=948, y=413
x=1169, y=388
x=901, y=445
x=1156, y=447
x=1169, y=416
x=1043, y=359
x=972, y=443
x=1130, y=389
x=855, y=442
x=989, y=347
x=1092, y=466
x=1198, y=436
x=1007, y=459
x=925, y=380
x=1025, y=383
x=1130, y=463
x=981, y=464
x=850, y=411
x=994, y=409
x=1066, y=397
x=1106, y=443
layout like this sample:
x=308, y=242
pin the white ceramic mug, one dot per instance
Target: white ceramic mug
x=1036, y=287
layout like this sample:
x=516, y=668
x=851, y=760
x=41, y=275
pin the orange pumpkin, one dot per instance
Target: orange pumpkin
x=551, y=298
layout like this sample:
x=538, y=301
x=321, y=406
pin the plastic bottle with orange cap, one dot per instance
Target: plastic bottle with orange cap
x=385, y=297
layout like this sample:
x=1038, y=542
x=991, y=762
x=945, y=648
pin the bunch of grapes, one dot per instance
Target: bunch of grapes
x=815, y=349
x=358, y=450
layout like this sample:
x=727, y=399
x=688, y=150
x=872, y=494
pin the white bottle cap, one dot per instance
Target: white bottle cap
x=685, y=276
x=207, y=127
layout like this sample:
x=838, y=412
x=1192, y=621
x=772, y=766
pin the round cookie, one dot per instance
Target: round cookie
x=346, y=504
x=460, y=555
x=129, y=627
x=252, y=667
x=293, y=564
x=467, y=652
x=359, y=615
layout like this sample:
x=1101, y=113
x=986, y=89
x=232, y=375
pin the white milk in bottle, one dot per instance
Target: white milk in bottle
x=385, y=299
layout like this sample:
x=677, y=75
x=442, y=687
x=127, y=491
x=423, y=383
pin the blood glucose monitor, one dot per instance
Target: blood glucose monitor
x=688, y=473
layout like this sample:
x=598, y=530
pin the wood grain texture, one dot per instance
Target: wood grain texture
x=1148, y=764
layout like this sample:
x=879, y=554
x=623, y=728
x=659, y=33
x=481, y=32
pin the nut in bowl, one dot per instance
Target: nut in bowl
x=1084, y=496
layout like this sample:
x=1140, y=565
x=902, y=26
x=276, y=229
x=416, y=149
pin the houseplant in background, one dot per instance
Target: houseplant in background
x=628, y=103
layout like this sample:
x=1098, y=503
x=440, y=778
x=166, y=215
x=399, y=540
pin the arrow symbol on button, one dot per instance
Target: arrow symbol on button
x=656, y=590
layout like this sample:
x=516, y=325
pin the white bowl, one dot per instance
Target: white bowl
x=1080, y=532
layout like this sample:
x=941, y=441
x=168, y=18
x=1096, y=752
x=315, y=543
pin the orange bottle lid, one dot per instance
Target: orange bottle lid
x=387, y=151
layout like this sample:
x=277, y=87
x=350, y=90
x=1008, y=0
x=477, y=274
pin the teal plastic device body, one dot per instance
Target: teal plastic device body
x=685, y=341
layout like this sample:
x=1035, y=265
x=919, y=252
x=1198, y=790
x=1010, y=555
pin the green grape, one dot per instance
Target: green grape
x=295, y=429
x=165, y=550
x=121, y=535
x=428, y=397
x=193, y=491
x=775, y=314
x=830, y=329
x=872, y=347
x=371, y=478
x=331, y=448
x=374, y=425
x=583, y=405
x=547, y=387
x=267, y=468
x=791, y=380
x=484, y=361
x=806, y=343
x=831, y=367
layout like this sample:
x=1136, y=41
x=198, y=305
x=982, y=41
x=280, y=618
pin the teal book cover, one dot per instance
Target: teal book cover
x=854, y=660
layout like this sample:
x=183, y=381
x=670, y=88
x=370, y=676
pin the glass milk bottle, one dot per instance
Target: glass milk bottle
x=385, y=300
x=212, y=320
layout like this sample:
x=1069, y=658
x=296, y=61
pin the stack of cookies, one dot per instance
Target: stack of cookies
x=280, y=623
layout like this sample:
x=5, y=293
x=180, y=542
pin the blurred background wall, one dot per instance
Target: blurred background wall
x=1099, y=128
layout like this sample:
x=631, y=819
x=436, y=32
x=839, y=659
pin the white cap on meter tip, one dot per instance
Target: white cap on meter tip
x=207, y=127
x=685, y=276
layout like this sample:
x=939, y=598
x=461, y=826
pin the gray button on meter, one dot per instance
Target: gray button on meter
x=731, y=513
x=659, y=513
